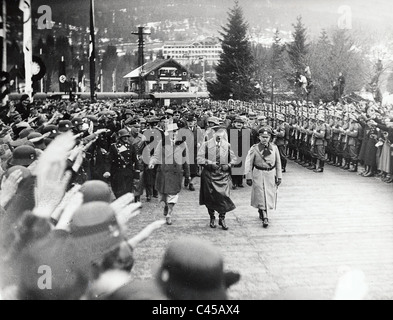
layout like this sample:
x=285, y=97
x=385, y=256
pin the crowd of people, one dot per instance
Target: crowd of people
x=74, y=174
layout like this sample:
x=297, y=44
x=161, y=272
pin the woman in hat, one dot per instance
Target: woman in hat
x=264, y=174
x=216, y=157
x=173, y=163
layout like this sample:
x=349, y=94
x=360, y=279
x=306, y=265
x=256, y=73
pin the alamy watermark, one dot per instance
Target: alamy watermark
x=45, y=281
x=45, y=19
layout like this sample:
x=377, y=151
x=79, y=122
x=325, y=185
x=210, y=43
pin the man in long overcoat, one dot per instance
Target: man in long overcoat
x=216, y=157
x=264, y=174
x=172, y=163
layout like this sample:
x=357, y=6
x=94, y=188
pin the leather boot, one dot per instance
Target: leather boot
x=221, y=222
x=339, y=162
x=313, y=165
x=191, y=187
x=260, y=211
x=212, y=218
x=321, y=167
x=346, y=165
x=213, y=222
x=369, y=174
x=265, y=223
x=355, y=167
x=169, y=215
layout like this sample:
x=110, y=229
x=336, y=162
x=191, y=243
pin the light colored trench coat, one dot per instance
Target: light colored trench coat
x=264, y=188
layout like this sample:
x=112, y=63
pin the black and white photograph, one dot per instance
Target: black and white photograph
x=208, y=150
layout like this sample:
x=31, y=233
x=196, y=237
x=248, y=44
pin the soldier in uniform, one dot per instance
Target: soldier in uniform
x=196, y=139
x=336, y=131
x=138, y=141
x=343, y=141
x=318, y=144
x=280, y=134
x=352, y=148
x=122, y=160
x=237, y=136
x=153, y=132
x=329, y=139
x=264, y=174
x=312, y=161
x=292, y=148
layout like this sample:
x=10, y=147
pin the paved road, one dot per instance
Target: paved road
x=323, y=222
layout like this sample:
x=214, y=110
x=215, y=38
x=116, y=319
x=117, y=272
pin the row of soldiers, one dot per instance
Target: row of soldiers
x=311, y=140
x=116, y=154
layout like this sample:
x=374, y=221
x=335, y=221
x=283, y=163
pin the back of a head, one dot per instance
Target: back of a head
x=95, y=232
x=192, y=269
x=48, y=271
x=96, y=190
x=24, y=198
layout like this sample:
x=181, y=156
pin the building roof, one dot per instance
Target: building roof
x=183, y=95
x=149, y=67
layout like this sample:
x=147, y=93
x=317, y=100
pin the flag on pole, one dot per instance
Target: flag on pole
x=2, y=24
x=3, y=34
x=62, y=76
x=92, y=52
x=25, y=6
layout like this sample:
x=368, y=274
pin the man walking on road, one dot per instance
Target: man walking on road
x=217, y=158
x=264, y=174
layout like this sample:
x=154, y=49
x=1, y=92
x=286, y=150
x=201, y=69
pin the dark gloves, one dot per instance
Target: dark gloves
x=212, y=167
x=249, y=182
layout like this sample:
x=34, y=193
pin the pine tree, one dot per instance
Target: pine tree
x=320, y=62
x=298, y=49
x=234, y=70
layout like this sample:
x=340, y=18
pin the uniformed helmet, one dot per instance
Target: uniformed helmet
x=123, y=133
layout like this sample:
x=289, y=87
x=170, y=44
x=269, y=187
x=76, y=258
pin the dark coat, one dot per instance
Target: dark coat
x=173, y=164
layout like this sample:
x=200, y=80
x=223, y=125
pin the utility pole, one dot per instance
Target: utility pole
x=4, y=68
x=141, y=57
x=42, y=79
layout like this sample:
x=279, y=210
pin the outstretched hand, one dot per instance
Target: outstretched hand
x=145, y=233
x=125, y=208
x=9, y=186
x=52, y=180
